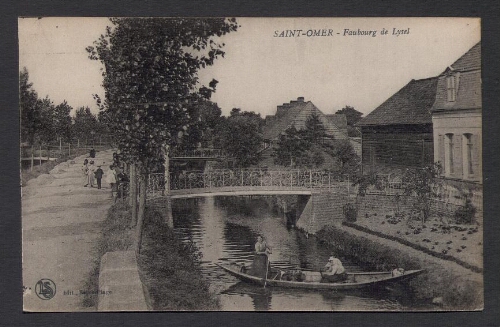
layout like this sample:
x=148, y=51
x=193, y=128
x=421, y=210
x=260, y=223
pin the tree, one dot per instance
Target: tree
x=240, y=136
x=345, y=155
x=29, y=108
x=84, y=123
x=352, y=116
x=150, y=82
x=302, y=148
x=150, y=77
x=422, y=185
x=61, y=121
x=45, y=132
x=314, y=131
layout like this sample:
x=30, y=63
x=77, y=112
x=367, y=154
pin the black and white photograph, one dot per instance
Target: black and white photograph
x=251, y=164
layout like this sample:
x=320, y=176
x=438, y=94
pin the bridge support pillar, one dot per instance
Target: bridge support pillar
x=322, y=209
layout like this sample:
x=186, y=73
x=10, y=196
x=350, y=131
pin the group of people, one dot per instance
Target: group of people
x=115, y=176
x=333, y=272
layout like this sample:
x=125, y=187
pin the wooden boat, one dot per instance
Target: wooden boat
x=354, y=281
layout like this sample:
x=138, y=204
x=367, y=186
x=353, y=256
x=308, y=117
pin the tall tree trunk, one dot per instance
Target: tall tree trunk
x=140, y=215
x=133, y=194
x=168, y=200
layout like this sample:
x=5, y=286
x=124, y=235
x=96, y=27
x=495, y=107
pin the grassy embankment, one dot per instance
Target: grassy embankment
x=455, y=291
x=169, y=269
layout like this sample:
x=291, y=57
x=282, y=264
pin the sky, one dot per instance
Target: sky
x=333, y=67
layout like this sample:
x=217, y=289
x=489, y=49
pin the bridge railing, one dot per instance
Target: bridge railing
x=269, y=179
x=199, y=153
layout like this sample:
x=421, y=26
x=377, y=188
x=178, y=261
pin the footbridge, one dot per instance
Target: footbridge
x=245, y=182
x=320, y=195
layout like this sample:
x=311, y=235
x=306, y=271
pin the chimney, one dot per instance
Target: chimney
x=300, y=99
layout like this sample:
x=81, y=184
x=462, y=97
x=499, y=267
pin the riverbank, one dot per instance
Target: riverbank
x=446, y=284
x=171, y=270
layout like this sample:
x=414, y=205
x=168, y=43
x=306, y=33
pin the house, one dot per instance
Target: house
x=398, y=133
x=456, y=118
x=296, y=113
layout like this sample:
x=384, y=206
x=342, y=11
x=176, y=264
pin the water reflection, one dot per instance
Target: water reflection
x=225, y=229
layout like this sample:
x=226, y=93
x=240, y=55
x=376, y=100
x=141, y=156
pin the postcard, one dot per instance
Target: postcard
x=251, y=164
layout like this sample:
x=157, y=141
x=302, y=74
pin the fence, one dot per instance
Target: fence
x=199, y=153
x=33, y=155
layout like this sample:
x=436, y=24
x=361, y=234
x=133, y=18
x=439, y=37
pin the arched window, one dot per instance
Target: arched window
x=448, y=155
x=467, y=154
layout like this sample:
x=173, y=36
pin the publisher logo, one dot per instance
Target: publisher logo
x=45, y=289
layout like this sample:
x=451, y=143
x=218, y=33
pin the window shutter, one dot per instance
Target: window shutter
x=441, y=150
x=457, y=157
x=476, y=157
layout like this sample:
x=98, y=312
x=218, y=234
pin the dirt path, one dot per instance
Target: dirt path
x=61, y=220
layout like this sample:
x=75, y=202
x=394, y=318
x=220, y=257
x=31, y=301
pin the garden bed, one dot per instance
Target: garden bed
x=462, y=243
x=447, y=285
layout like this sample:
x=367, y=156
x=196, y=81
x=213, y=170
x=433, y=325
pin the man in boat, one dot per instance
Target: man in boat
x=334, y=272
x=261, y=265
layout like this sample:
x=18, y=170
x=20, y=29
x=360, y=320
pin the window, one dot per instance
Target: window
x=448, y=157
x=451, y=88
x=468, y=154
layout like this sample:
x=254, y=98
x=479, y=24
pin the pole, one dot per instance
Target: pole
x=40, y=155
x=267, y=269
x=60, y=146
x=168, y=199
x=32, y=157
x=69, y=149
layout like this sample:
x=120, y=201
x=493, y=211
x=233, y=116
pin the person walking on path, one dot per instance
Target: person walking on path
x=85, y=172
x=111, y=180
x=98, y=176
x=90, y=173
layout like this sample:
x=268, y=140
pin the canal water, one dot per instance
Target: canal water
x=225, y=229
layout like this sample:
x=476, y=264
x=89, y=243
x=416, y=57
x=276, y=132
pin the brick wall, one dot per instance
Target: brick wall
x=321, y=210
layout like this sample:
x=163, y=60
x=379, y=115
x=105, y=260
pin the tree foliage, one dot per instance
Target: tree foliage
x=29, y=108
x=292, y=148
x=86, y=124
x=41, y=121
x=240, y=136
x=352, y=116
x=61, y=121
x=150, y=80
x=309, y=148
x=423, y=186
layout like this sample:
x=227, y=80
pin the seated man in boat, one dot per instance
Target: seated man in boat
x=261, y=264
x=334, y=271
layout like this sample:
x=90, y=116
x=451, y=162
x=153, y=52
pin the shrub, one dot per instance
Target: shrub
x=350, y=212
x=467, y=213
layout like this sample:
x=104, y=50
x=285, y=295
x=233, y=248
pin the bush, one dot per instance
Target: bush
x=350, y=212
x=467, y=213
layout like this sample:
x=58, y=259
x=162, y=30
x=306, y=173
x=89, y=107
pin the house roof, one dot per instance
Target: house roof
x=467, y=72
x=410, y=105
x=471, y=60
x=339, y=120
x=296, y=113
x=282, y=120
